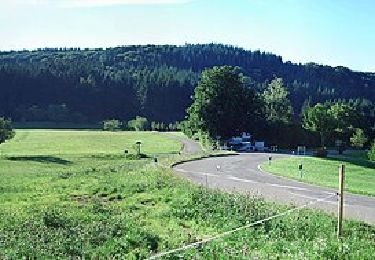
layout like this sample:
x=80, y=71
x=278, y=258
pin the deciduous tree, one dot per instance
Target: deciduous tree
x=222, y=103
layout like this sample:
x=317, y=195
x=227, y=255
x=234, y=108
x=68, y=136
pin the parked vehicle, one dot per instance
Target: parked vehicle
x=244, y=143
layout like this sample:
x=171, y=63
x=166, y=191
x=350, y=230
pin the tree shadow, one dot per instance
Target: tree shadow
x=41, y=159
x=355, y=161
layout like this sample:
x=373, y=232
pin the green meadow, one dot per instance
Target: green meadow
x=360, y=173
x=74, y=194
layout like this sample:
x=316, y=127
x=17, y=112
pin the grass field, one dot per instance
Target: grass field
x=72, y=194
x=360, y=173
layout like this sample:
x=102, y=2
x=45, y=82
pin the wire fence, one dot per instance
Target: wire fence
x=224, y=234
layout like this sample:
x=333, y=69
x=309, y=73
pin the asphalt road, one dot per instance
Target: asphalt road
x=240, y=173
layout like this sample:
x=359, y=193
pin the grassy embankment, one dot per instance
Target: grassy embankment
x=73, y=194
x=360, y=173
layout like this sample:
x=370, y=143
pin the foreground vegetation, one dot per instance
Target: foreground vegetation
x=73, y=194
x=324, y=172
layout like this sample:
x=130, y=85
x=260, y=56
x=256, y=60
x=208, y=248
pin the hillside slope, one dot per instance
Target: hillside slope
x=154, y=81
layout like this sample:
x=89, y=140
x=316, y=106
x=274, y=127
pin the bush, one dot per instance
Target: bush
x=138, y=124
x=111, y=125
x=6, y=131
x=321, y=153
x=136, y=156
x=371, y=153
x=358, y=139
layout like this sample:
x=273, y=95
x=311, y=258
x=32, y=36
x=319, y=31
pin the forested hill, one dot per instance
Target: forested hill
x=153, y=81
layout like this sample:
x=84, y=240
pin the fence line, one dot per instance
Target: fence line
x=204, y=241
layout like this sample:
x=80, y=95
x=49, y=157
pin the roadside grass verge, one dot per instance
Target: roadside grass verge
x=359, y=178
x=103, y=206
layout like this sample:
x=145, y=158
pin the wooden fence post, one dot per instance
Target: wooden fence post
x=341, y=200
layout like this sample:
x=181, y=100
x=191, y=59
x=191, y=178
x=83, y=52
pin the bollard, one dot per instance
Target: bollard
x=300, y=168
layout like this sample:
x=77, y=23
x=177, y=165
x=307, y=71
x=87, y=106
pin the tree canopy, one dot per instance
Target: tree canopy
x=278, y=108
x=327, y=119
x=222, y=103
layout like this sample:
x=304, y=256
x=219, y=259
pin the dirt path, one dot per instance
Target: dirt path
x=190, y=146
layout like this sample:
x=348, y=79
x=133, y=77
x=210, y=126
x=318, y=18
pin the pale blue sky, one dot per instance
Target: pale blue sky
x=331, y=32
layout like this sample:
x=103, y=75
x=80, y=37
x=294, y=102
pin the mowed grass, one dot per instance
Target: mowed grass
x=65, y=142
x=72, y=194
x=359, y=178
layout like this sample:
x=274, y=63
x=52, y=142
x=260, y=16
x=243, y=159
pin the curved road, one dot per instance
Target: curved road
x=240, y=173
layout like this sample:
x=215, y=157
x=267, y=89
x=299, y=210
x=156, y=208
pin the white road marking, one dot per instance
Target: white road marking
x=234, y=178
x=313, y=198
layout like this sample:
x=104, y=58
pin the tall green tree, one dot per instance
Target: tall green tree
x=223, y=104
x=319, y=119
x=278, y=108
x=6, y=130
x=330, y=118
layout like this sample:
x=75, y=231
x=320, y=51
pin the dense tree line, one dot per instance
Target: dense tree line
x=156, y=82
x=224, y=106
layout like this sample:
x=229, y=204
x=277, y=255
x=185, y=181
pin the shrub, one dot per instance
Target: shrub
x=138, y=124
x=358, y=139
x=111, y=125
x=6, y=131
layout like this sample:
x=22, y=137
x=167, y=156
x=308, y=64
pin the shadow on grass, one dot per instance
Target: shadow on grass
x=41, y=159
x=355, y=161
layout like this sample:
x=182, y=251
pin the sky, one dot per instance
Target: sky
x=330, y=32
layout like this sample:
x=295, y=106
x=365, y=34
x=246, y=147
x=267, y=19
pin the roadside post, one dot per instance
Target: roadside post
x=300, y=168
x=269, y=160
x=340, y=200
x=138, y=144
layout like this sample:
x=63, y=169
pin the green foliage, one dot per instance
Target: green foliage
x=51, y=113
x=371, y=152
x=111, y=125
x=223, y=104
x=6, y=131
x=138, y=124
x=358, y=138
x=278, y=108
x=318, y=119
x=331, y=118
